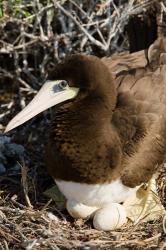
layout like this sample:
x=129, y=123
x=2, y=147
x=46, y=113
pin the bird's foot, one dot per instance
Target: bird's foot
x=110, y=217
x=79, y=210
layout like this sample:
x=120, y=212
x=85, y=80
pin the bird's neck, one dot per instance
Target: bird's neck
x=84, y=138
x=99, y=103
x=94, y=108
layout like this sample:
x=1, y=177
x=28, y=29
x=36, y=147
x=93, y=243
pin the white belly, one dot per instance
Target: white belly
x=95, y=194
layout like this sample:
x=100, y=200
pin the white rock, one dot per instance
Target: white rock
x=110, y=217
x=79, y=210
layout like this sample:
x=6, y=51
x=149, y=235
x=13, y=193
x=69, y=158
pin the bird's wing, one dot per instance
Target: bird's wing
x=124, y=62
x=145, y=81
x=141, y=87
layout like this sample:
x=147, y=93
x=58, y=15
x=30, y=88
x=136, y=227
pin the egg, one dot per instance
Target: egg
x=110, y=217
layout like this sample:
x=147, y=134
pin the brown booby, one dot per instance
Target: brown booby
x=108, y=134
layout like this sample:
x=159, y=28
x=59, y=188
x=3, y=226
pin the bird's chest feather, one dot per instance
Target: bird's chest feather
x=95, y=194
x=82, y=156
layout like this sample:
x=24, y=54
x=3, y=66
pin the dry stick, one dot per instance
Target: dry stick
x=79, y=8
x=96, y=26
x=115, y=28
x=115, y=7
x=55, y=247
x=95, y=23
x=46, y=205
x=138, y=8
x=25, y=61
x=1, y=246
x=153, y=238
x=12, y=210
x=17, y=230
x=90, y=20
x=10, y=48
x=27, y=86
x=96, y=29
x=163, y=247
x=164, y=224
x=6, y=245
x=131, y=9
x=6, y=48
x=117, y=23
x=38, y=18
x=91, y=38
x=40, y=12
x=101, y=35
x=16, y=203
x=26, y=44
x=25, y=184
x=6, y=233
x=6, y=73
x=118, y=242
x=17, y=39
x=30, y=35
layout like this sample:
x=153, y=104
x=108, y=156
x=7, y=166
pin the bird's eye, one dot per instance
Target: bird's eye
x=63, y=84
x=50, y=66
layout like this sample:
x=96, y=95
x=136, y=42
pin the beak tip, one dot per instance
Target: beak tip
x=8, y=128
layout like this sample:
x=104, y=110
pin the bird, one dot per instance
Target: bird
x=107, y=135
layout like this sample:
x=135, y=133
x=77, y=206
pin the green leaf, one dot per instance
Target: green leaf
x=56, y=195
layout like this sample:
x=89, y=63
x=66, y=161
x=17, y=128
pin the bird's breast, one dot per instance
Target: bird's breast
x=95, y=194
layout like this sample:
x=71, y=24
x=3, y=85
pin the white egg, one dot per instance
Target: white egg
x=79, y=210
x=110, y=217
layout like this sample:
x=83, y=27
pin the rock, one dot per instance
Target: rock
x=2, y=169
x=10, y=155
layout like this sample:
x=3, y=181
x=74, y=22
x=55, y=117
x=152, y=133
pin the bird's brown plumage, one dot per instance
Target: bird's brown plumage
x=116, y=126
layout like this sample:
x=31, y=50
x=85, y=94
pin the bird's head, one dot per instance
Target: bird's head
x=78, y=76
